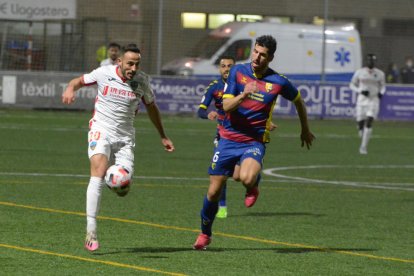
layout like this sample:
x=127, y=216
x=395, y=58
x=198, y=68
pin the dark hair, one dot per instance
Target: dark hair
x=269, y=42
x=114, y=45
x=227, y=57
x=131, y=48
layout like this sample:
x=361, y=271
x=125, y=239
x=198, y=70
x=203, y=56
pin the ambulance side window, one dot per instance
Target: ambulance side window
x=239, y=49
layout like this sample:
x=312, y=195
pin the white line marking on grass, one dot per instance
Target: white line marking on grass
x=91, y=260
x=135, y=176
x=282, y=178
x=345, y=183
x=185, y=229
x=147, y=130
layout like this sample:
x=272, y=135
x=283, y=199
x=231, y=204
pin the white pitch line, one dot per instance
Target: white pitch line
x=374, y=185
x=270, y=172
x=135, y=177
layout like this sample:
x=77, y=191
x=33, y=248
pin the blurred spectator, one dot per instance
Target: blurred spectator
x=407, y=72
x=101, y=53
x=392, y=74
x=113, y=52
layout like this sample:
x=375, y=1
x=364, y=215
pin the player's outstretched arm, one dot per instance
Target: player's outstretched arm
x=155, y=116
x=68, y=96
x=306, y=135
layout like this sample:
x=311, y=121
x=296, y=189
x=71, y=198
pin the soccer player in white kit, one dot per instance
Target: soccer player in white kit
x=369, y=83
x=111, y=138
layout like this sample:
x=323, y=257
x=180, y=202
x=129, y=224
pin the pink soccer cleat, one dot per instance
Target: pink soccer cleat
x=91, y=241
x=202, y=241
x=251, y=197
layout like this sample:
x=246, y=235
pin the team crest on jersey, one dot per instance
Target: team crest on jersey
x=92, y=145
x=243, y=80
x=268, y=87
x=213, y=166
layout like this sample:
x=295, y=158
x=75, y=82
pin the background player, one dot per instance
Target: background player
x=113, y=52
x=369, y=83
x=248, y=101
x=215, y=91
x=112, y=132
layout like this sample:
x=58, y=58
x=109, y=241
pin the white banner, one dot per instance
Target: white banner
x=37, y=10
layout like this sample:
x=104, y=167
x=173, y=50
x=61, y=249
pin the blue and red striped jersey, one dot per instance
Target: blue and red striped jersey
x=249, y=121
x=214, y=91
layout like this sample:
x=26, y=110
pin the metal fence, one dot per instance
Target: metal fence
x=158, y=29
x=62, y=45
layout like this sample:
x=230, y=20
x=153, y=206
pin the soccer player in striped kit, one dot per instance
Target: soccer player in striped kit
x=248, y=100
x=214, y=91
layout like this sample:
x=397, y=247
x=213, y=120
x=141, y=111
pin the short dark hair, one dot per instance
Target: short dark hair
x=227, y=57
x=114, y=45
x=132, y=47
x=269, y=42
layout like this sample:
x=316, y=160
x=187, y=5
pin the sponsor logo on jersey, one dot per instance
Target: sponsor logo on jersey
x=105, y=91
x=118, y=93
x=254, y=151
x=115, y=80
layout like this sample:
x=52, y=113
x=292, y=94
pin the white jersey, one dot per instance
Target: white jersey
x=117, y=101
x=372, y=80
x=108, y=61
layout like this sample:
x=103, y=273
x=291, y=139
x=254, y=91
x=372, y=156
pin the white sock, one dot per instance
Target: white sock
x=93, y=199
x=365, y=137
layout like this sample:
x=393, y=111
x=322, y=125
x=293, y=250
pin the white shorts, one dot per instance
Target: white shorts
x=117, y=152
x=367, y=110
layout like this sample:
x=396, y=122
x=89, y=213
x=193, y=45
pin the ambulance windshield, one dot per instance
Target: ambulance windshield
x=207, y=47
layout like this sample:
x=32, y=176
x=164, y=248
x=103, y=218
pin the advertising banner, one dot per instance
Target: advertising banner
x=183, y=95
x=37, y=10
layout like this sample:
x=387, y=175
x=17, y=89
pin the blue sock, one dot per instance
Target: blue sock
x=259, y=177
x=222, y=202
x=208, y=213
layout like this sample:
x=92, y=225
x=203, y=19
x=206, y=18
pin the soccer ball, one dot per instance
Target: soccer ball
x=118, y=179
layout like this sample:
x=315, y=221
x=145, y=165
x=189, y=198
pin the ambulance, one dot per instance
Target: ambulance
x=299, y=51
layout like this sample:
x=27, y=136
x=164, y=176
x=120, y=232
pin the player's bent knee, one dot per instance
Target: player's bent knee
x=213, y=197
x=248, y=180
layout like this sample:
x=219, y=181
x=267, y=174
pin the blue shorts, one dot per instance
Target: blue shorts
x=229, y=153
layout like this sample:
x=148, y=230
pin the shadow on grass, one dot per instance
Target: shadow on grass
x=300, y=250
x=288, y=250
x=278, y=214
x=147, y=250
